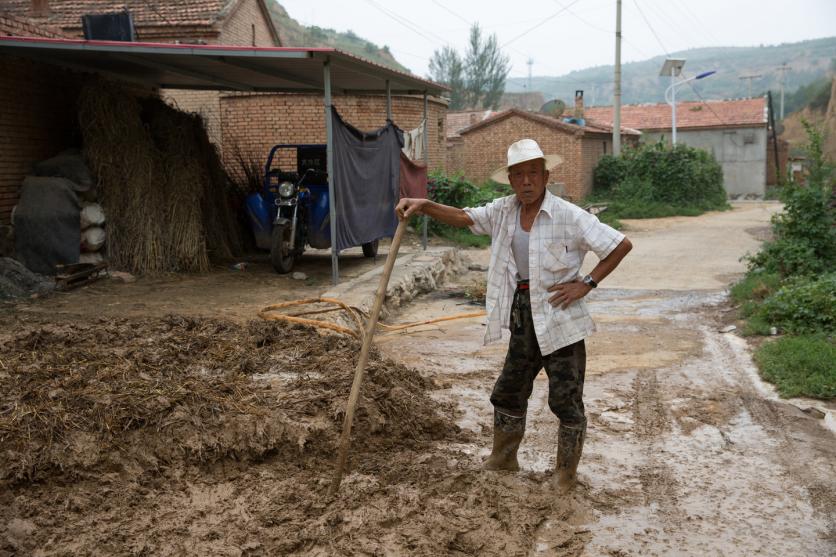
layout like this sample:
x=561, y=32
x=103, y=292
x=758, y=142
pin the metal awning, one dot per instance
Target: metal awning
x=234, y=68
x=221, y=68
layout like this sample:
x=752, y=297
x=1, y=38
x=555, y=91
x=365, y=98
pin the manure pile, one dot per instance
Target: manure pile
x=145, y=394
x=193, y=436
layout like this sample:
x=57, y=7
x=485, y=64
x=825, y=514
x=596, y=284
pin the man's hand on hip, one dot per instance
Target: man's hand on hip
x=567, y=293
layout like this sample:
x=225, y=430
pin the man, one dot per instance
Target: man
x=538, y=242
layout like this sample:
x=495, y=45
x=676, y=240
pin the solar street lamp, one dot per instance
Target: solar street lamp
x=673, y=68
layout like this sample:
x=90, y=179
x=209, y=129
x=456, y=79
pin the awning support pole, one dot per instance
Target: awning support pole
x=427, y=164
x=329, y=149
x=388, y=100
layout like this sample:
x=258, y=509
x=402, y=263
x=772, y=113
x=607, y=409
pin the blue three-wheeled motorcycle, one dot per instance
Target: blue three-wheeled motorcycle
x=292, y=210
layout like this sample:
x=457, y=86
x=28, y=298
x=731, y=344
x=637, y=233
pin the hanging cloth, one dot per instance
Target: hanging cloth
x=366, y=177
x=413, y=178
x=414, y=143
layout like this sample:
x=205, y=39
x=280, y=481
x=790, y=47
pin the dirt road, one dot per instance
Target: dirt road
x=684, y=456
x=155, y=419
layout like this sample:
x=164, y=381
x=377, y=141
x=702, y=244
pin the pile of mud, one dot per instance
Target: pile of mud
x=139, y=395
x=192, y=436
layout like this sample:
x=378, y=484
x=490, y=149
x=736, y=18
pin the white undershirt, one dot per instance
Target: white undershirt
x=519, y=247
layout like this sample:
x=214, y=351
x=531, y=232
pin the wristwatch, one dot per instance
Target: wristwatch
x=588, y=280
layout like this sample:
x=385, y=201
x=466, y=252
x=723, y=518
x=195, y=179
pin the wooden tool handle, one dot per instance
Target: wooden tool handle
x=345, y=438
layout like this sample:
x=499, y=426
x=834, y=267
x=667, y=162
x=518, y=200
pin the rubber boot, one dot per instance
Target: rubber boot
x=508, y=433
x=569, y=448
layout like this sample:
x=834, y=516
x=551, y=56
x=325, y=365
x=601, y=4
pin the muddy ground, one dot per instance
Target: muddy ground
x=234, y=449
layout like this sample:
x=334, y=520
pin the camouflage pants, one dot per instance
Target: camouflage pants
x=565, y=368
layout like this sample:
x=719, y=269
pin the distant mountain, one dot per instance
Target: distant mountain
x=641, y=83
x=293, y=33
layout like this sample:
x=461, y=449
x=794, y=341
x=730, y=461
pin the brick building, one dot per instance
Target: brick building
x=300, y=118
x=234, y=22
x=240, y=23
x=37, y=117
x=484, y=145
x=733, y=131
x=456, y=122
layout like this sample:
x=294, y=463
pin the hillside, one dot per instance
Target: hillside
x=821, y=111
x=293, y=33
x=809, y=60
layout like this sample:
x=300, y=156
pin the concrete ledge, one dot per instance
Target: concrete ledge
x=413, y=274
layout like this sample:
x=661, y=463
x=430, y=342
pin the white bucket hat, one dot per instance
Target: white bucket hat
x=522, y=151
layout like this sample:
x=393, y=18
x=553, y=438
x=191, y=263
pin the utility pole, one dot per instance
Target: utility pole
x=530, y=63
x=616, y=105
x=783, y=69
x=750, y=77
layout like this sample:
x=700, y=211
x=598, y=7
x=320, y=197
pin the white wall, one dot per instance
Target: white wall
x=741, y=152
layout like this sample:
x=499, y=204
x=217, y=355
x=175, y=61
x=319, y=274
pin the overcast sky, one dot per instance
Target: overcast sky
x=565, y=35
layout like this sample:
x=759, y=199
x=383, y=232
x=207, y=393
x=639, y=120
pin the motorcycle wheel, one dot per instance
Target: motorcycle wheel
x=280, y=255
x=370, y=248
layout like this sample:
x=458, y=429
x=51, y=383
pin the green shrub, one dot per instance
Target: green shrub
x=787, y=257
x=609, y=171
x=800, y=366
x=650, y=210
x=450, y=190
x=634, y=188
x=672, y=181
x=802, y=306
x=755, y=287
x=456, y=191
x=805, y=236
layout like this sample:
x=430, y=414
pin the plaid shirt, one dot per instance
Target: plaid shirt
x=561, y=235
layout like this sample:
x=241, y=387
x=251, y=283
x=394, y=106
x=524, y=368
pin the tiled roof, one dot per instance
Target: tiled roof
x=588, y=127
x=457, y=121
x=15, y=26
x=689, y=114
x=66, y=14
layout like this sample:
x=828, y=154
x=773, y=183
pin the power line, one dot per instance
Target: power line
x=451, y=12
x=470, y=24
x=582, y=20
x=705, y=29
x=704, y=102
x=652, y=30
x=671, y=22
x=543, y=22
x=691, y=85
x=407, y=23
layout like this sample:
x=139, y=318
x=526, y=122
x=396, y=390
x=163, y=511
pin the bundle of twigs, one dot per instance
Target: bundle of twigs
x=160, y=180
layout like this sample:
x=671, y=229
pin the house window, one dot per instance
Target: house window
x=605, y=147
x=252, y=25
x=748, y=138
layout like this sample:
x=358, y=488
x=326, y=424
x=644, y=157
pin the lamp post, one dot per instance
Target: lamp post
x=670, y=92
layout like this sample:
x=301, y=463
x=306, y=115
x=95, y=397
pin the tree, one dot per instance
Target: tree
x=479, y=79
x=485, y=70
x=446, y=67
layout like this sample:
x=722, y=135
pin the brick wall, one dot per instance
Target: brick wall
x=253, y=123
x=205, y=103
x=246, y=26
x=37, y=115
x=455, y=155
x=485, y=150
x=594, y=146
